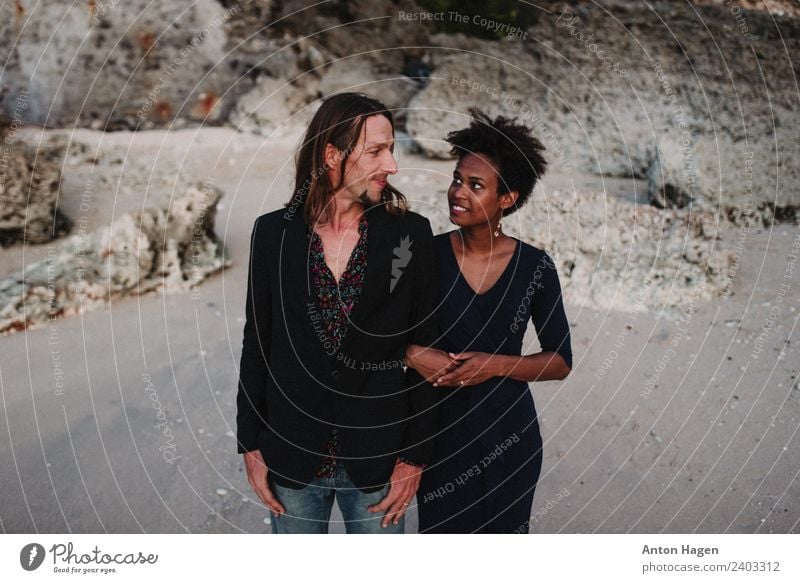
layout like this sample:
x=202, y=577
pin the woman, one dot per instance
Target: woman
x=488, y=452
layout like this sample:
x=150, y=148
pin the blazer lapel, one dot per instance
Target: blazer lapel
x=376, y=279
x=294, y=257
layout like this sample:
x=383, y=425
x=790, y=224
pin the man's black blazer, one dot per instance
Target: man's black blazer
x=293, y=388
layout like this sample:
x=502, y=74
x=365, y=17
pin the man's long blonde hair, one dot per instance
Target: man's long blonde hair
x=338, y=122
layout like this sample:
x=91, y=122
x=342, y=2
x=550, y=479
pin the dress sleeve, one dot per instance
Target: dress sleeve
x=251, y=401
x=547, y=310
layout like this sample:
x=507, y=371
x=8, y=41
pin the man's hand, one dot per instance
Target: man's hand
x=431, y=363
x=257, y=472
x=404, y=482
x=475, y=368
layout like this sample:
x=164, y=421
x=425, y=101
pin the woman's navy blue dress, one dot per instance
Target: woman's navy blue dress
x=488, y=449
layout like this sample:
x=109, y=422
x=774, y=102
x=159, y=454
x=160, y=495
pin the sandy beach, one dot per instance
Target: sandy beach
x=122, y=419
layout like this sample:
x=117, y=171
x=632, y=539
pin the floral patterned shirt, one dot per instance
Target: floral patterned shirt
x=336, y=301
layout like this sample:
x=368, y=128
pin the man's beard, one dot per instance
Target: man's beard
x=365, y=199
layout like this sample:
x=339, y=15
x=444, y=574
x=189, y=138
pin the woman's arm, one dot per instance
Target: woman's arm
x=430, y=363
x=552, y=328
x=477, y=367
x=548, y=315
x=543, y=366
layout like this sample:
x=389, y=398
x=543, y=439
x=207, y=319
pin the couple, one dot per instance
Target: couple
x=380, y=363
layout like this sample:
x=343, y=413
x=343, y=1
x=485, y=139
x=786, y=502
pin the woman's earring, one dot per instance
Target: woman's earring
x=497, y=230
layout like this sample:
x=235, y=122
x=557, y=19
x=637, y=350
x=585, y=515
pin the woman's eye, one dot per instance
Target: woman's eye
x=456, y=181
x=476, y=186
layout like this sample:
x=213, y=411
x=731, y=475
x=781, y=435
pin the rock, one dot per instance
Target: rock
x=278, y=106
x=671, y=175
x=123, y=63
x=358, y=74
x=614, y=90
x=29, y=187
x=614, y=254
x=275, y=107
x=314, y=58
x=367, y=29
x=173, y=248
x=776, y=7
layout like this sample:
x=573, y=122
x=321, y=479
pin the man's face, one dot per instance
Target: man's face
x=370, y=164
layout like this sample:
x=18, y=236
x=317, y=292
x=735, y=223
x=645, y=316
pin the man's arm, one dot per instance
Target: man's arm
x=421, y=426
x=251, y=400
x=424, y=331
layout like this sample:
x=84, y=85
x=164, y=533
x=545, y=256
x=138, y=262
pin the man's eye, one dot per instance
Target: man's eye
x=456, y=180
x=476, y=186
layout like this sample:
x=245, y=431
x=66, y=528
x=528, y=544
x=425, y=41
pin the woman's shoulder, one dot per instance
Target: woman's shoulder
x=533, y=255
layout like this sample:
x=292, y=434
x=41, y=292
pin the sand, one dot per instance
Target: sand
x=123, y=419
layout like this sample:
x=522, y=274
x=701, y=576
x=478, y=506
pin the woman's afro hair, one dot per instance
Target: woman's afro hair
x=512, y=148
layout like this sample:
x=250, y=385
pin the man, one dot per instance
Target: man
x=340, y=282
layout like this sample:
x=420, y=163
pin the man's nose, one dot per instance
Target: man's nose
x=389, y=163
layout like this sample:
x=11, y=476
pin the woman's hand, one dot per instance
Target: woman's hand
x=475, y=368
x=431, y=363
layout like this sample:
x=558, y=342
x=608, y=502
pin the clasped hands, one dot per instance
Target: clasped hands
x=449, y=369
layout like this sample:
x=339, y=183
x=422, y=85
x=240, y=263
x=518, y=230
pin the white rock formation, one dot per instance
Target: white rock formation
x=173, y=248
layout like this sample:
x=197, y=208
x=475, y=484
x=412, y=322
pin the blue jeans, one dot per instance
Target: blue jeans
x=308, y=510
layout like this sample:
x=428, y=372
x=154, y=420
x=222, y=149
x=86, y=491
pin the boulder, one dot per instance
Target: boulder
x=631, y=90
x=30, y=181
x=613, y=253
x=171, y=248
x=118, y=64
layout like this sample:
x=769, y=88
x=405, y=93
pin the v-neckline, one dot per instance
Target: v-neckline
x=499, y=278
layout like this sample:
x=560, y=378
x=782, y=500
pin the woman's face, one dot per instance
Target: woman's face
x=472, y=196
